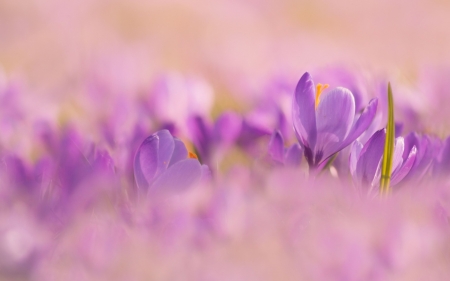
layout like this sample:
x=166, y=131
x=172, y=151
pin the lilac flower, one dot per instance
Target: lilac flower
x=212, y=140
x=441, y=166
x=163, y=162
x=175, y=98
x=365, y=160
x=325, y=125
x=290, y=156
x=427, y=151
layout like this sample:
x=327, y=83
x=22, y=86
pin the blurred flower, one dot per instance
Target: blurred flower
x=290, y=156
x=213, y=140
x=365, y=160
x=163, y=162
x=175, y=98
x=428, y=148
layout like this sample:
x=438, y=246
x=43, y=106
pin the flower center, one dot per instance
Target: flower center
x=319, y=89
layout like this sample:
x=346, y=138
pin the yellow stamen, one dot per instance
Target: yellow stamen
x=192, y=155
x=319, y=89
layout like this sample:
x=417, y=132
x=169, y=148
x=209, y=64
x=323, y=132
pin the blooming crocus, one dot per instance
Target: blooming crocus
x=163, y=162
x=365, y=160
x=290, y=156
x=325, y=124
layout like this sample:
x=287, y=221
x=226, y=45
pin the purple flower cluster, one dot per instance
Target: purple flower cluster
x=158, y=194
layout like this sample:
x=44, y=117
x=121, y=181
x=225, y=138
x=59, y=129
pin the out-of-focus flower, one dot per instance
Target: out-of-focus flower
x=163, y=162
x=291, y=156
x=175, y=98
x=325, y=124
x=441, y=166
x=365, y=160
x=212, y=140
x=428, y=148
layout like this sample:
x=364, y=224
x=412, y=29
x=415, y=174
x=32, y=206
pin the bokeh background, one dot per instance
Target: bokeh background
x=54, y=44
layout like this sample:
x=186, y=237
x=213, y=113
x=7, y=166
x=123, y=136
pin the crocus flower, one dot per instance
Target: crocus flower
x=428, y=148
x=365, y=160
x=175, y=98
x=212, y=140
x=163, y=162
x=441, y=166
x=326, y=124
x=290, y=156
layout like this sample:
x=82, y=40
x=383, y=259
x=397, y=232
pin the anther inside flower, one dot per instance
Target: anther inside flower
x=192, y=155
x=319, y=90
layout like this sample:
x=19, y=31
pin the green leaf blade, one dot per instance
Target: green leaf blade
x=388, y=153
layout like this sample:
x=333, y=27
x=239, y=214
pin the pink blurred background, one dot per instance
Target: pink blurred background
x=53, y=44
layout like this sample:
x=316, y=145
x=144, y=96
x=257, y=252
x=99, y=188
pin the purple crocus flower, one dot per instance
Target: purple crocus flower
x=163, y=162
x=212, y=140
x=427, y=150
x=365, y=160
x=290, y=156
x=326, y=124
x=441, y=166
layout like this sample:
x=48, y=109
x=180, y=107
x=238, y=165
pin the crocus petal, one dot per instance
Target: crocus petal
x=403, y=171
x=179, y=176
x=363, y=122
x=165, y=149
x=304, y=113
x=443, y=165
x=370, y=157
x=200, y=132
x=354, y=156
x=206, y=173
x=153, y=158
x=227, y=128
x=397, y=160
x=276, y=147
x=146, y=162
x=334, y=117
x=293, y=156
x=426, y=153
x=179, y=152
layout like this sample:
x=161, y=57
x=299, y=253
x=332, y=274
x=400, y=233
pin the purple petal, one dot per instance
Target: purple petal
x=426, y=153
x=334, y=117
x=153, y=157
x=443, y=166
x=370, y=157
x=179, y=152
x=179, y=176
x=293, y=156
x=304, y=113
x=403, y=171
x=276, y=147
x=360, y=126
x=206, y=173
x=165, y=149
x=411, y=140
x=227, y=128
x=354, y=157
x=201, y=133
x=397, y=160
x=146, y=162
